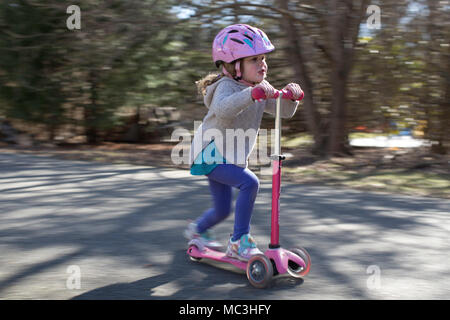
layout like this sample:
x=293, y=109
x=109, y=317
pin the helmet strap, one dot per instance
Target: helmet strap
x=238, y=74
x=237, y=66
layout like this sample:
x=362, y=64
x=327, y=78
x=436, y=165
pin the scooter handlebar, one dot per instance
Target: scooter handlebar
x=259, y=94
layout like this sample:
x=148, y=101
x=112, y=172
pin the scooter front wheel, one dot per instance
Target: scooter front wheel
x=296, y=270
x=259, y=271
x=191, y=247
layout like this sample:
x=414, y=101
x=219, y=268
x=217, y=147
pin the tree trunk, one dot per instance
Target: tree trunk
x=438, y=123
x=90, y=112
x=338, y=141
x=343, y=28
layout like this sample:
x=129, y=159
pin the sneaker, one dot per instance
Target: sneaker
x=242, y=249
x=205, y=238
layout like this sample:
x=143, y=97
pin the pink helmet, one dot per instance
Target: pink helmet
x=239, y=41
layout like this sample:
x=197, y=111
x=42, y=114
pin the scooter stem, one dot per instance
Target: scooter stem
x=276, y=179
x=276, y=188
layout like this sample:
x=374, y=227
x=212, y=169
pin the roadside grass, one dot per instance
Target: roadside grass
x=384, y=180
x=392, y=170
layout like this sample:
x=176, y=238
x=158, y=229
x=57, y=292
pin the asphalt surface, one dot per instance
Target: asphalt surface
x=80, y=230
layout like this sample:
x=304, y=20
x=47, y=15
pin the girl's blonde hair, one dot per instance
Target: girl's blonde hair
x=203, y=83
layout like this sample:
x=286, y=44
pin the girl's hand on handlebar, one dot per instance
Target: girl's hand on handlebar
x=295, y=90
x=264, y=90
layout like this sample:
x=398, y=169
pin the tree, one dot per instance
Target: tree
x=31, y=65
x=335, y=33
x=402, y=70
x=55, y=76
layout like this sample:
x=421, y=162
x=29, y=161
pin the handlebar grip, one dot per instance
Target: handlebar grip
x=258, y=94
x=288, y=95
x=277, y=94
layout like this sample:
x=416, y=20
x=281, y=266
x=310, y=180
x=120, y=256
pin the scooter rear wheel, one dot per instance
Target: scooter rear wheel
x=294, y=269
x=259, y=271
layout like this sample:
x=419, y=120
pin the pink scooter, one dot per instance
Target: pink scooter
x=276, y=260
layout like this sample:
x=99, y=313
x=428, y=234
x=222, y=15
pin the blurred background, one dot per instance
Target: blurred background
x=376, y=78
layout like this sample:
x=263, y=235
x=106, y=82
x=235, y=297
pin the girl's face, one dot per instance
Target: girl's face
x=254, y=68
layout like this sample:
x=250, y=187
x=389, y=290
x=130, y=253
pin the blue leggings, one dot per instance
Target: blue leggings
x=221, y=179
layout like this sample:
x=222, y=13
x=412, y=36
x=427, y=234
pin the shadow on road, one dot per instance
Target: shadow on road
x=185, y=279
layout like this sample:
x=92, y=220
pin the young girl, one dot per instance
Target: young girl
x=235, y=107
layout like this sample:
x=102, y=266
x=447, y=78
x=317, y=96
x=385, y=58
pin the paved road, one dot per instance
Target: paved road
x=119, y=227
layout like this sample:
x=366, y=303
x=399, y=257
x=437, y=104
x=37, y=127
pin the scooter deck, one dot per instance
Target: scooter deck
x=215, y=255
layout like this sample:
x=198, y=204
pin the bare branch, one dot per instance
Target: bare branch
x=283, y=12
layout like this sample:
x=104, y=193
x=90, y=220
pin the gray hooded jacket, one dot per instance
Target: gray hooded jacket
x=233, y=120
